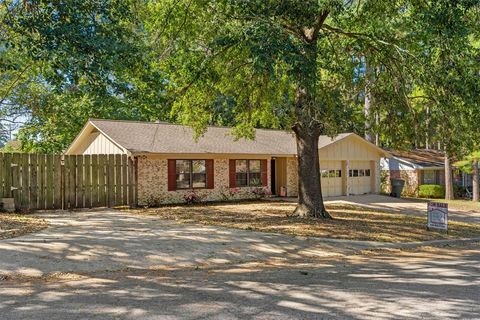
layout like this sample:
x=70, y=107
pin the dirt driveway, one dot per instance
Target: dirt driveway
x=105, y=240
x=112, y=265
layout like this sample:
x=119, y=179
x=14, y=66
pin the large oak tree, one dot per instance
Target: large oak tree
x=284, y=63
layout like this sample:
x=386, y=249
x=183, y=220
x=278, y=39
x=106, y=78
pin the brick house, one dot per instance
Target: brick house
x=418, y=167
x=170, y=162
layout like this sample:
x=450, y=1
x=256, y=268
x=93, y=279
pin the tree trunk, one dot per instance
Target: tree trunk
x=448, y=178
x=310, y=200
x=368, y=101
x=427, y=131
x=476, y=196
x=307, y=130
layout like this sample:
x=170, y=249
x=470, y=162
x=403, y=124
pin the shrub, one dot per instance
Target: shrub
x=152, y=202
x=459, y=191
x=431, y=191
x=261, y=192
x=192, y=197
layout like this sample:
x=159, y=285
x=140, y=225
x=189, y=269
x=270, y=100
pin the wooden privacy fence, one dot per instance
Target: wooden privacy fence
x=42, y=181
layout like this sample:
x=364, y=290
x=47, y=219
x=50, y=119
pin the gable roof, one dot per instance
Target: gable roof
x=421, y=158
x=138, y=137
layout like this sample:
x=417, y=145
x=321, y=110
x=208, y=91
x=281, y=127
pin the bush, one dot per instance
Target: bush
x=459, y=191
x=431, y=191
x=192, y=197
x=261, y=192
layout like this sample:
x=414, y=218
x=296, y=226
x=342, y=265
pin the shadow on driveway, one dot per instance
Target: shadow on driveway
x=112, y=240
x=442, y=284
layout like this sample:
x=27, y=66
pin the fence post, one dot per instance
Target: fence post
x=25, y=202
x=49, y=182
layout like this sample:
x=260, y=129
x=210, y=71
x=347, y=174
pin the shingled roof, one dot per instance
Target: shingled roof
x=159, y=137
x=421, y=157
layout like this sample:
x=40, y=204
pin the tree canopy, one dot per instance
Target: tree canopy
x=65, y=61
x=305, y=66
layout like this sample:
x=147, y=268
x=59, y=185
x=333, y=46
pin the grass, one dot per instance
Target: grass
x=462, y=205
x=350, y=222
x=15, y=225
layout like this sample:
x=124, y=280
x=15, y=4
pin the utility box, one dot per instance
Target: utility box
x=7, y=204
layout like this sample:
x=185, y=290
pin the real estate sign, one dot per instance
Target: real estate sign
x=437, y=216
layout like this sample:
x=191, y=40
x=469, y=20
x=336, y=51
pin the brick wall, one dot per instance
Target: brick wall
x=153, y=184
x=411, y=178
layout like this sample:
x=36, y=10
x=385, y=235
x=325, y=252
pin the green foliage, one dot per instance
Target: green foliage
x=242, y=63
x=433, y=191
x=256, y=55
x=467, y=164
x=447, y=81
x=64, y=62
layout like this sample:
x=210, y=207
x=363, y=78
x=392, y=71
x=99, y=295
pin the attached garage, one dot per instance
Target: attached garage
x=350, y=166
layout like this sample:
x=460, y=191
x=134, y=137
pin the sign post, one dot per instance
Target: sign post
x=437, y=216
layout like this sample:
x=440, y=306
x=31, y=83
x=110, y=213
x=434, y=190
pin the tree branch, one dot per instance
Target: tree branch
x=355, y=35
x=320, y=22
x=12, y=85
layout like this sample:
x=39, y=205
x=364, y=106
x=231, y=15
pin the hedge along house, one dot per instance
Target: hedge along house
x=171, y=164
x=419, y=167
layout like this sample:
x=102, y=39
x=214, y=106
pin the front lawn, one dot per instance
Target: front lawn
x=459, y=205
x=351, y=222
x=15, y=225
x=463, y=205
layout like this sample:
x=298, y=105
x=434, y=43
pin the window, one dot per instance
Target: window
x=254, y=173
x=331, y=173
x=429, y=177
x=359, y=173
x=199, y=174
x=248, y=173
x=191, y=174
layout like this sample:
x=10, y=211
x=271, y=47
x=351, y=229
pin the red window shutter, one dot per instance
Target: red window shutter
x=263, y=171
x=172, y=175
x=210, y=175
x=233, y=182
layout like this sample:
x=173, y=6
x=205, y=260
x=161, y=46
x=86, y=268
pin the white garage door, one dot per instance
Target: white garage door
x=331, y=173
x=360, y=176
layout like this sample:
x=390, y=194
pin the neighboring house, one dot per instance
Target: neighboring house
x=170, y=163
x=419, y=167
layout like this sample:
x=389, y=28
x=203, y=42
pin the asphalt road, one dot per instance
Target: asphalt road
x=422, y=284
